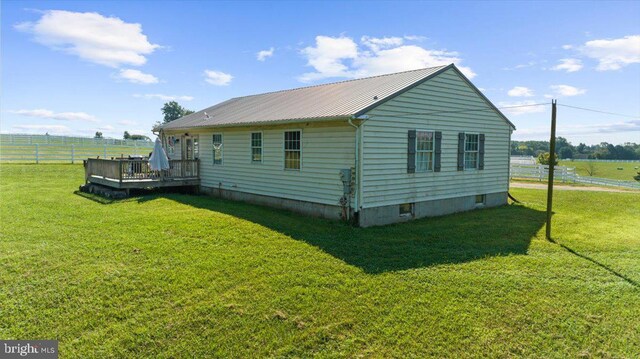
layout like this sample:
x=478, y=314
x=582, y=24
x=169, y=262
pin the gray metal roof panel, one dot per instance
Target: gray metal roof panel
x=333, y=100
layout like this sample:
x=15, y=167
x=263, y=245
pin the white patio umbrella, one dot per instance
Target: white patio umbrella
x=158, y=160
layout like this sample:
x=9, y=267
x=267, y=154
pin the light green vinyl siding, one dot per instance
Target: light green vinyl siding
x=384, y=164
x=325, y=151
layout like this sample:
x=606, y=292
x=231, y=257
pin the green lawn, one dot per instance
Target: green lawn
x=176, y=275
x=606, y=169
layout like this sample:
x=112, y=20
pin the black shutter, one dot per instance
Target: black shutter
x=461, y=151
x=481, y=152
x=411, y=152
x=437, y=152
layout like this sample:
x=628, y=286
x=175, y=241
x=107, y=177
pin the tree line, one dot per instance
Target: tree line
x=566, y=150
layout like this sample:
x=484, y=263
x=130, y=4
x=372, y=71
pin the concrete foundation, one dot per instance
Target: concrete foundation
x=378, y=216
x=367, y=217
x=303, y=207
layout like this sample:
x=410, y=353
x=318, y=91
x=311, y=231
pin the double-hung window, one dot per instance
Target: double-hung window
x=471, y=149
x=292, y=150
x=256, y=147
x=424, y=151
x=217, y=148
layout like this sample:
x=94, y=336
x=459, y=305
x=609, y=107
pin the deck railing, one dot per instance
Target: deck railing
x=131, y=170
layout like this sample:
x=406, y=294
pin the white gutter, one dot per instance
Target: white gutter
x=358, y=139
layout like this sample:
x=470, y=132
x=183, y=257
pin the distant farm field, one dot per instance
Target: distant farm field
x=176, y=275
x=606, y=169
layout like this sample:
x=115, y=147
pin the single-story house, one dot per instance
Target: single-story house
x=375, y=150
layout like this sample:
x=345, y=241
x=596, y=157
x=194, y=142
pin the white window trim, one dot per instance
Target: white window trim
x=284, y=164
x=433, y=151
x=213, y=157
x=464, y=156
x=261, y=147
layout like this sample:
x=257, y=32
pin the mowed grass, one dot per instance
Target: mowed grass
x=606, y=169
x=176, y=275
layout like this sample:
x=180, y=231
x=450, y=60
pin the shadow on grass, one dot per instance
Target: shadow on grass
x=456, y=238
x=601, y=265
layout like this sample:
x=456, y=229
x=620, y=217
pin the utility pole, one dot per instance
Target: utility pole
x=552, y=161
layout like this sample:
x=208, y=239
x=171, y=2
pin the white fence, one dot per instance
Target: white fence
x=523, y=160
x=14, y=138
x=594, y=160
x=36, y=153
x=541, y=172
x=565, y=174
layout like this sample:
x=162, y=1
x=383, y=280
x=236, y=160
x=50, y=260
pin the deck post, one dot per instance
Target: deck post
x=120, y=165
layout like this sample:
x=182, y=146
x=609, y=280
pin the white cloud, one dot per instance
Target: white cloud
x=342, y=57
x=127, y=123
x=264, y=54
x=521, y=66
x=137, y=77
x=377, y=43
x=415, y=37
x=150, y=96
x=51, y=129
x=102, y=40
x=567, y=47
x=217, y=78
x=613, y=54
x=566, y=90
x=60, y=116
x=520, y=107
x=520, y=91
x=569, y=65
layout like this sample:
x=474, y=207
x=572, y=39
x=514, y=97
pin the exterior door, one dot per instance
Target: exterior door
x=189, y=152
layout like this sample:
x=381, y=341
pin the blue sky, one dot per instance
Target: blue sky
x=81, y=67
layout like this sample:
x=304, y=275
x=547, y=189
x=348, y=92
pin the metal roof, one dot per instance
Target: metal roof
x=336, y=100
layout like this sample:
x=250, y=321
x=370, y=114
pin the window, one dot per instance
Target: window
x=480, y=199
x=196, y=148
x=471, y=145
x=424, y=151
x=217, y=148
x=292, y=155
x=256, y=147
x=406, y=209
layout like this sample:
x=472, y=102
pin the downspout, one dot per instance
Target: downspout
x=357, y=157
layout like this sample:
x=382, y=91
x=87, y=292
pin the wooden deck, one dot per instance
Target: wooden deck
x=135, y=173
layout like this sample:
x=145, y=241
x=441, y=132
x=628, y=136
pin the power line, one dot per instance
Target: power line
x=478, y=109
x=598, y=111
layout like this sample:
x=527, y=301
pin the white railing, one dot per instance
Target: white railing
x=566, y=174
x=70, y=153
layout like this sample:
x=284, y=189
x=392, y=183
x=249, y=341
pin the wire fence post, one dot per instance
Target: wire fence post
x=37, y=154
x=73, y=152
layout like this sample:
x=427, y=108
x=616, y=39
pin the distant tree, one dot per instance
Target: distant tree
x=126, y=136
x=566, y=152
x=173, y=111
x=139, y=138
x=581, y=148
x=591, y=168
x=98, y=135
x=545, y=158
